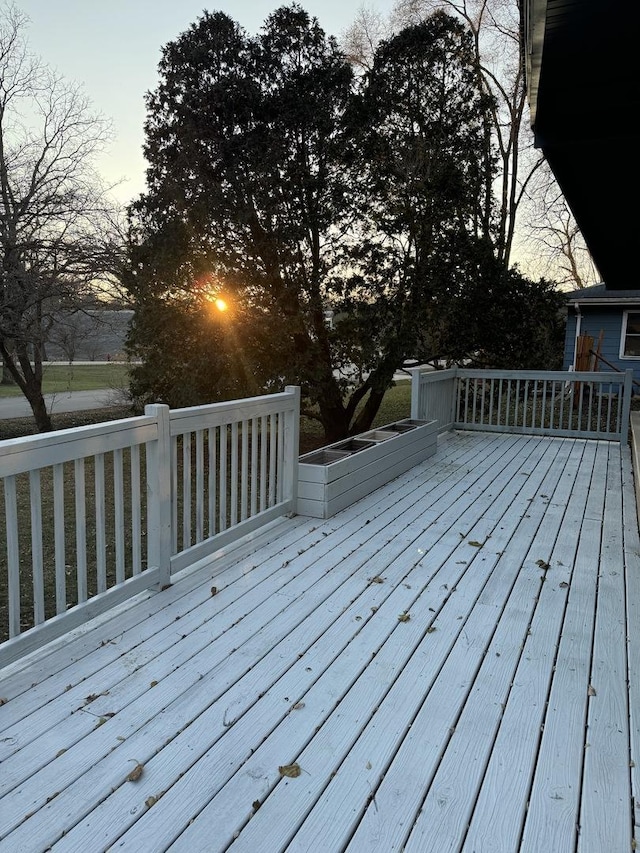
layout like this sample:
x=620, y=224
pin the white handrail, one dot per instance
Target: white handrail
x=123, y=520
x=568, y=403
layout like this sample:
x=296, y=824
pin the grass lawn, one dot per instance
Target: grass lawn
x=77, y=377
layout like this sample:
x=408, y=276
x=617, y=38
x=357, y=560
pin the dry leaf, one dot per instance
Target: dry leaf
x=255, y=805
x=591, y=691
x=431, y=629
x=153, y=684
x=376, y=579
x=290, y=770
x=3, y=701
x=60, y=752
x=150, y=801
x=404, y=617
x=368, y=765
x=136, y=773
x=214, y=590
x=475, y=544
x=298, y=706
x=563, y=585
x=543, y=565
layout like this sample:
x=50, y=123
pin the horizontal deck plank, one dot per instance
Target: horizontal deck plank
x=468, y=726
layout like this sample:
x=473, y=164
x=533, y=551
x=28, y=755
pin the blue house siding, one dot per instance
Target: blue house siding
x=592, y=319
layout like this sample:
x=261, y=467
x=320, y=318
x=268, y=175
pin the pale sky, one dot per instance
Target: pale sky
x=112, y=47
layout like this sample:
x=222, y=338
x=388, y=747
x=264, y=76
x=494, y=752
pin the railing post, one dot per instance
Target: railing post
x=292, y=448
x=626, y=406
x=159, y=495
x=415, y=393
x=455, y=389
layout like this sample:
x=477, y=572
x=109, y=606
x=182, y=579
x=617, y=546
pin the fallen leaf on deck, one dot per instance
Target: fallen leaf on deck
x=431, y=629
x=214, y=590
x=298, y=706
x=150, y=801
x=591, y=691
x=136, y=773
x=404, y=617
x=376, y=579
x=255, y=805
x=3, y=701
x=475, y=544
x=543, y=565
x=563, y=585
x=290, y=770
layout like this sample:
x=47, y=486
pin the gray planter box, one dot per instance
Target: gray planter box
x=336, y=476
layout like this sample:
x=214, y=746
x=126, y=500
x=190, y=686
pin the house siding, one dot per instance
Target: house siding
x=595, y=320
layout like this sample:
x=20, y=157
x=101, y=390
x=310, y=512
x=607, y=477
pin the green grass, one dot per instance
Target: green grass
x=77, y=377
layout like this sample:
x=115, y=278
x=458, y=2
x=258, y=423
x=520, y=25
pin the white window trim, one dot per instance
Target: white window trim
x=623, y=337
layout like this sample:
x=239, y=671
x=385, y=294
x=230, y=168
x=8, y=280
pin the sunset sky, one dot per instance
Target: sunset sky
x=112, y=47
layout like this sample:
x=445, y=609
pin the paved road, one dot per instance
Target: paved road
x=63, y=401
x=76, y=401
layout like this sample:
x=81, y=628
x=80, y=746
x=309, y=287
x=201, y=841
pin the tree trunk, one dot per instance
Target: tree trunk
x=29, y=380
x=7, y=378
x=39, y=409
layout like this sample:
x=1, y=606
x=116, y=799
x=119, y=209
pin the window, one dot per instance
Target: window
x=630, y=344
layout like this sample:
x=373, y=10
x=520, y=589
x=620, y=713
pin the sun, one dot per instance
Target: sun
x=221, y=305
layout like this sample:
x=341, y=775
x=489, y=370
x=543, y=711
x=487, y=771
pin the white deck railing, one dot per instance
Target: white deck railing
x=579, y=404
x=130, y=502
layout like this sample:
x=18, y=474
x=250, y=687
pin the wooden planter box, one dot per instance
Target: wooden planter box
x=336, y=476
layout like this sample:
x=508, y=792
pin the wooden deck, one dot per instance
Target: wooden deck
x=452, y=663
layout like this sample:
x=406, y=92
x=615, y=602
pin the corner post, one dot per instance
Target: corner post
x=159, y=495
x=415, y=393
x=291, y=448
x=626, y=406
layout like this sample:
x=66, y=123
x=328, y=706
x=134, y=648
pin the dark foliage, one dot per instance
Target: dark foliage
x=280, y=183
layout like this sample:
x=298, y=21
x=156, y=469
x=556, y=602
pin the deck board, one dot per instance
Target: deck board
x=462, y=728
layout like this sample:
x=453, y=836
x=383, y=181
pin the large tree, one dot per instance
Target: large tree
x=277, y=181
x=247, y=189
x=55, y=221
x=423, y=183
